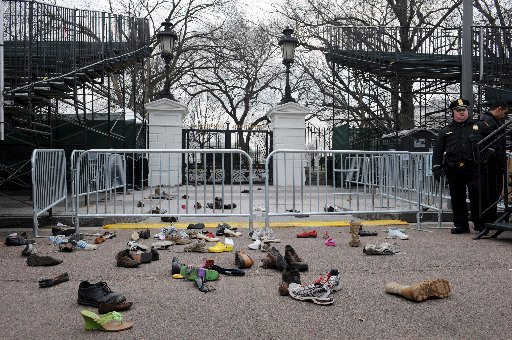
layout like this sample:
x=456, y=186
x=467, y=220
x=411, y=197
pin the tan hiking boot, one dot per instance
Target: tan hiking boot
x=243, y=260
x=420, y=291
x=354, y=233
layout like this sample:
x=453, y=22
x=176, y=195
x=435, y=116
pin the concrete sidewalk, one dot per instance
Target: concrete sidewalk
x=249, y=307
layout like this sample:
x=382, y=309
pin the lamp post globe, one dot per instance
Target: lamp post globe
x=167, y=39
x=288, y=43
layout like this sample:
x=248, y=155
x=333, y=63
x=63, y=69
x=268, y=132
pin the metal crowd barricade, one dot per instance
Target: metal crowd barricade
x=49, y=186
x=104, y=173
x=342, y=182
x=168, y=183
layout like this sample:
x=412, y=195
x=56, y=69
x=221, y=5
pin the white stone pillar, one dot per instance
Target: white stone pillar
x=289, y=129
x=165, y=124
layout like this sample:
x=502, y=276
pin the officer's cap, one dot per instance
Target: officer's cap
x=459, y=103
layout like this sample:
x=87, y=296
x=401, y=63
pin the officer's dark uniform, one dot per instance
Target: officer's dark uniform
x=493, y=167
x=453, y=156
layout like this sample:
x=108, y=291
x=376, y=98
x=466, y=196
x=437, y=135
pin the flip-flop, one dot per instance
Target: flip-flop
x=110, y=322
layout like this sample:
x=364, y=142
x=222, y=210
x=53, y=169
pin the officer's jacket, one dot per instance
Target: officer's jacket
x=455, y=145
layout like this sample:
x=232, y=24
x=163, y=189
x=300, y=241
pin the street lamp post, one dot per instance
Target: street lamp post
x=166, y=41
x=288, y=43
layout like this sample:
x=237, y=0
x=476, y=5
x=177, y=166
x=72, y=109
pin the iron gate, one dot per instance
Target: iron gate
x=256, y=143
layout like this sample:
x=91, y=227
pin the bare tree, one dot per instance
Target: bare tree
x=414, y=22
x=240, y=70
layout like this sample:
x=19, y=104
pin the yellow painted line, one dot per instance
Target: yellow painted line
x=244, y=225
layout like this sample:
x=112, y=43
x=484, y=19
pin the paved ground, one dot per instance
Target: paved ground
x=250, y=308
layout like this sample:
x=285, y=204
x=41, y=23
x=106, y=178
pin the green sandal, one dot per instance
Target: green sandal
x=192, y=273
x=110, y=322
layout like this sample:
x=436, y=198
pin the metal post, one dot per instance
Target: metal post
x=467, y=67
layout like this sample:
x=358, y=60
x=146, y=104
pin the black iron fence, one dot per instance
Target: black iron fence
x=256, y=143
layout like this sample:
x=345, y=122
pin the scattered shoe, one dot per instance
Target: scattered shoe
x=35, y=260
x=66, y=247
x=56, y=240
x=198, y=226
x=365, y=233
x=44, y=283
x=242, y=260
x=325, y=236
x=283, y=289
x=144, y=234
x=255, y=245
x=318, y=294
x=132, y=245
x=84, y=245
x=209, y=237
x=226, y=271
x=108, y=234
x=154, y=255
x=291, y=274
x=354, y=234
x=202, y=286
x=293, y=260
x=280, y=262
x=220, y=247
x=459, y=230
x=380, y=249
x=110, y=322
x=397, y=233
x=161, y=245
x=331, y=280
x=126, y=260
x=175, y=266
x=168, y=219
x=307, y=234
x=330, y=242
x=180, y=239
x=105, y=308
x=99, y=240
x=197, y=246
x=232, y=233
x=94, y=294
x=197, y=206
x=420, y=291
x=135, y=236
x=29, y=250
x=140, y=204
x=62, y=229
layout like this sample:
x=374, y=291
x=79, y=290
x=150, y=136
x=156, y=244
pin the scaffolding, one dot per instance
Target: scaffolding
x=404, y=77
x=70, y=81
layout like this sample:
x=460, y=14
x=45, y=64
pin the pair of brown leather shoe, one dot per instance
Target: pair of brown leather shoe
x=242, y=260
x=293, y=260
x=274, y=260
x=126, y=260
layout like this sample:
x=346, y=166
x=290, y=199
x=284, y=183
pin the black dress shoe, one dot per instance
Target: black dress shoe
x=459, y=231
x=94, y=294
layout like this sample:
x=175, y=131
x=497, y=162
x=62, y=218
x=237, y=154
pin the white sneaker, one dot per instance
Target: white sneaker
x=397, y=233
x=229, y=242
x=232, y=233
x=255, y=245
x=85, y=246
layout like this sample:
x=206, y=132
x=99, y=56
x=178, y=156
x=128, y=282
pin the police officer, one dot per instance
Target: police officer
x=453, y=156
x=493, y=157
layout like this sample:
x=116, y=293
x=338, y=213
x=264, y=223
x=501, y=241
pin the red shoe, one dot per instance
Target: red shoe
x=306, y=234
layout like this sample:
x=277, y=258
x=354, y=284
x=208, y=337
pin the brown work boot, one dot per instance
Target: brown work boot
x=420, y=291
x=354, y=233
x=269, y=261
x=293, y=259
x=124, y=259
x=242, y=260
